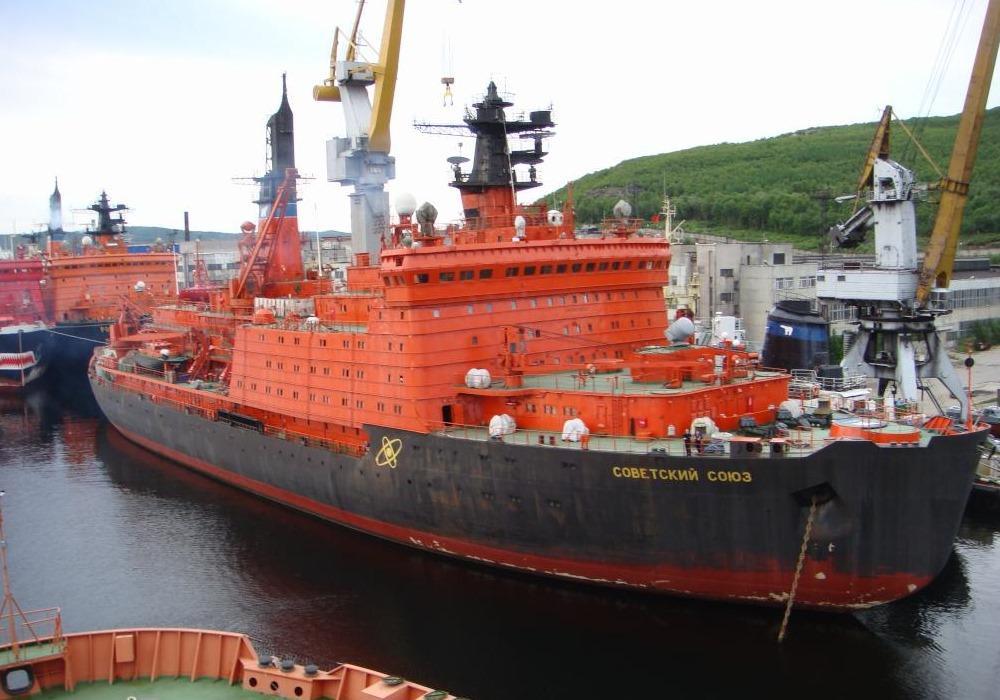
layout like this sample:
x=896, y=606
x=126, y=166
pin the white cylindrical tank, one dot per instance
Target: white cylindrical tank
x=574, y=429
x=680, y=330
x=502, y=424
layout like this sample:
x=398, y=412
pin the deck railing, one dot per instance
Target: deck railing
x=33, y=628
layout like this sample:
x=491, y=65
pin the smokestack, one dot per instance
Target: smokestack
x=187, y=229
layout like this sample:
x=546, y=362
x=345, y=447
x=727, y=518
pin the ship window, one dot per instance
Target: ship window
x=326, y=371
x=511, y=272
x=280, y=392
x=577, y=267
x=545, y=270
x=549, y=300
x=469, y=308
x=486, y=273
x=345, y=372
x=281, y=339
x=533, y=303
x=386, y=280
x=260, y=337
x=267, y=389
x=346, y=344
x=475, y=340
x=615, y=265
x=436, y=313
x=446, y=276
x=390, y=345
x=397, y=409
x=296, y=341
x=326, y=398
x=531, y=408
x=343, y=401
x=312, y=397
x=602, y=266
x=573, y=299
x=361, y=345
x=550, y=410
x=380, y=406
x=281, y=365
x=726, y=272
x=465, y=275
x=590, y=267
x=513, y=304
x=267, y=363
x=841, y=278
x=359, y=404
x=399, y=279
x=489, y=308
x=322, y=343
x=586, y=298
x=421, y=278
x=529, y=269
x=590, y=327
x=253, y=386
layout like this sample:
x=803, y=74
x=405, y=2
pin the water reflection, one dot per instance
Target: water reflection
x=120, y=537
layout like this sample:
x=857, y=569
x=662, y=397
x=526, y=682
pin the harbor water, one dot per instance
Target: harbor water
x=118, y=537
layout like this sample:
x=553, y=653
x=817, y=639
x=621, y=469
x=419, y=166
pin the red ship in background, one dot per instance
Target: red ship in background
x=91, y=276
x=500, y=392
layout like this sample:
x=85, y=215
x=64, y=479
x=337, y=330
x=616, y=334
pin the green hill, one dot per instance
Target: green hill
x=782, y=187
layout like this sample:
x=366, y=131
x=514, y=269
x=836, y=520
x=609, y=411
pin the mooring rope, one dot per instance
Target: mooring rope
x=78, y=337
x=798, y=569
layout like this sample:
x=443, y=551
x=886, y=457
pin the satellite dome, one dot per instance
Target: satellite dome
x=622, y=210
x=140, y=286
x=406, y=204
x=86, y=240
x=554, y=216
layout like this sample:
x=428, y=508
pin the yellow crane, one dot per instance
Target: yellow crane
x=939, y=257
x=362, y=157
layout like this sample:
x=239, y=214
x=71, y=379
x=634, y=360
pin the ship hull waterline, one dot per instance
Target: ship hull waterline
x=633, y=521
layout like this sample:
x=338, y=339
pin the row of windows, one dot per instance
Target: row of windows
x=972, y=298
x=321, y=398
x=526, y=271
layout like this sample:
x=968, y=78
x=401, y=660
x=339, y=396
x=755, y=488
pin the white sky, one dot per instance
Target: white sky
x=163, y=104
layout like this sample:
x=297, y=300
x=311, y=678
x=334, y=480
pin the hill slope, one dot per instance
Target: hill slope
x=783, y=186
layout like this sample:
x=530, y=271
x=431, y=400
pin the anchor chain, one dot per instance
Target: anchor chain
x=798, y=569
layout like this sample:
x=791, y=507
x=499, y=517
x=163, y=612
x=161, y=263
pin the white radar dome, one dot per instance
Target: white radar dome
x=406, y=204
x=622, y=209
x=140, y=286
x=554, y=216
x=86, y=240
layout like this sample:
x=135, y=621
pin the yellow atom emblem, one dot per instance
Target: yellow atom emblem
x=388, y=453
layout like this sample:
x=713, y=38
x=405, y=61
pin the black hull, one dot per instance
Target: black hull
x=884, y=526
x=74, y=344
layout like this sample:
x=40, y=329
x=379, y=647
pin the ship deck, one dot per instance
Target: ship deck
x=617, y=382
x=800, y=441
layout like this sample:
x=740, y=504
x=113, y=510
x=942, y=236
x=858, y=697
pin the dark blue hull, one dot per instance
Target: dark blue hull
x=25, y=351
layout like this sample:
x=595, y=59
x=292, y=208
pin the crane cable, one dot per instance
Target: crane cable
x=954, y=29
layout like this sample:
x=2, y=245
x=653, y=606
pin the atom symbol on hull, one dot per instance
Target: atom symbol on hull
x=388, y=453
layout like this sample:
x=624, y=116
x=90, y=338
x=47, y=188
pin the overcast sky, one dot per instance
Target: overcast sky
x=163, y=104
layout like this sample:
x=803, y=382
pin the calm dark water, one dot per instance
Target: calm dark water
x=121, y=538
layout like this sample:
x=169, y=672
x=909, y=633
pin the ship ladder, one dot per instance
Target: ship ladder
x=798, y=569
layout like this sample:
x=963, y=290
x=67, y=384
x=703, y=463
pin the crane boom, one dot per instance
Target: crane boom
x=940, y=256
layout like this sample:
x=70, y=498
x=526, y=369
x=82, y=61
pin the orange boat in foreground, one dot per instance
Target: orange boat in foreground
x=501, y=392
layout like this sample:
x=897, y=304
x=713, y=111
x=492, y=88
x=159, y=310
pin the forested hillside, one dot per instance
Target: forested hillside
x=784, y=185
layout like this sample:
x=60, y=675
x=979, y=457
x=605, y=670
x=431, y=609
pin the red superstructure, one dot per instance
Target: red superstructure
x=90, y=278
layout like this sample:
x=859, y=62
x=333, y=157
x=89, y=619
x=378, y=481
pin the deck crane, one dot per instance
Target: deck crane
x=898, y=299
x=362, y=157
